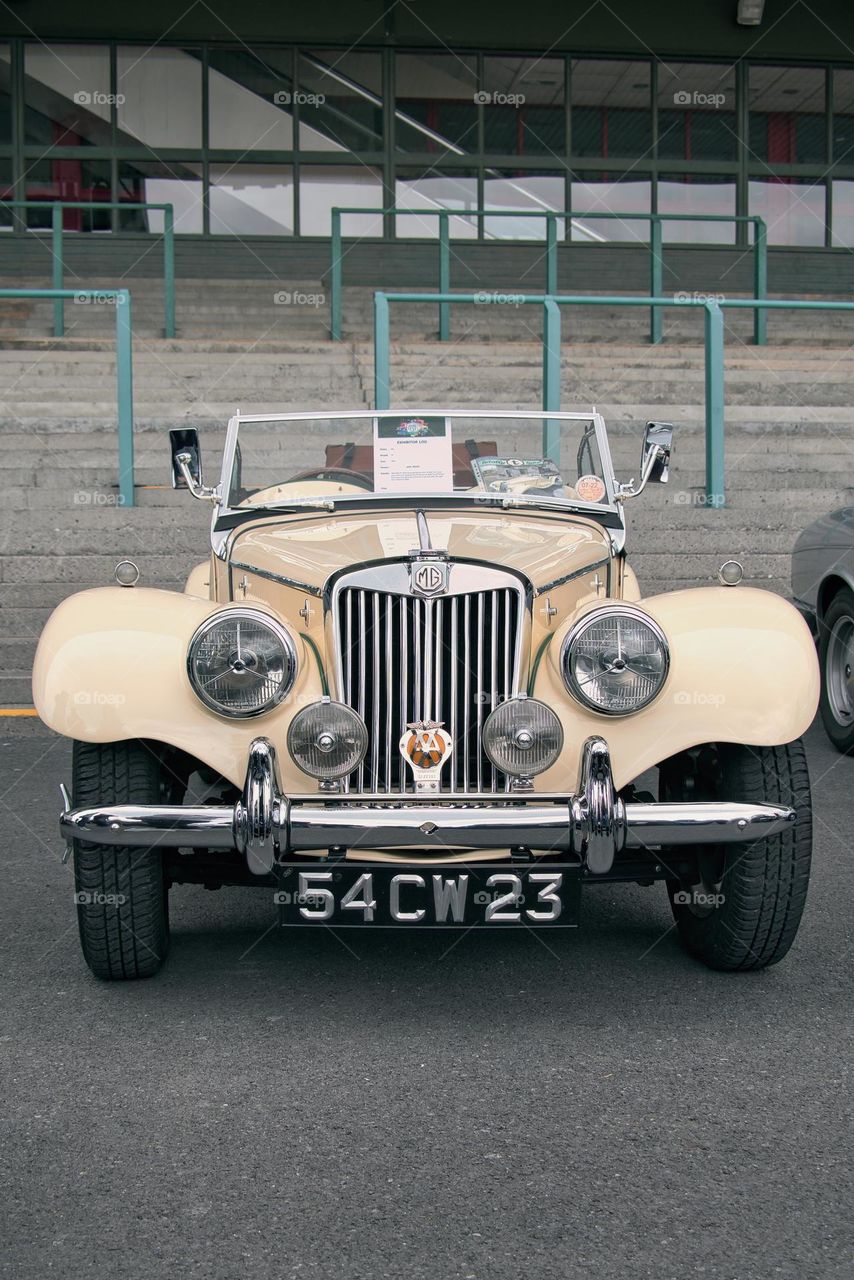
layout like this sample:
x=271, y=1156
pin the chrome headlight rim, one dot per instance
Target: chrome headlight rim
x=612, y=610
x=281, y=633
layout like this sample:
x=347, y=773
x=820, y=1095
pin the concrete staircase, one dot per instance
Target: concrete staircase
x=789, y=427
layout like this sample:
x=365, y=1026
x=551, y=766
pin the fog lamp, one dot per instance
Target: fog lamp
x=522, y=737
x=327, y=740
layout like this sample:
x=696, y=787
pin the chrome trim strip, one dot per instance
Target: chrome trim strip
x=452, y=727
x=424, y=542
x=389, y=674
x=276, y=577
x=570, y=577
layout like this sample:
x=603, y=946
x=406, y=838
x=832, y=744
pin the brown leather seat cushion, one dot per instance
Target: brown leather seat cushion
x=360, y=457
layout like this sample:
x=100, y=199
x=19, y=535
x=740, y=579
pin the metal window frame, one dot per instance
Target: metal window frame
x=387, y=161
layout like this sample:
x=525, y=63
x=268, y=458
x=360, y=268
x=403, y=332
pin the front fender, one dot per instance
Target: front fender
x=743, y=668
x=111, y=664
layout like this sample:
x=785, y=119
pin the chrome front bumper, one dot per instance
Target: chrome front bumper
x=264, y=826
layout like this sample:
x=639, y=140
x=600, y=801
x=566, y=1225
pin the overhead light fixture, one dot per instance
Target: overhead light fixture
x=750, y=12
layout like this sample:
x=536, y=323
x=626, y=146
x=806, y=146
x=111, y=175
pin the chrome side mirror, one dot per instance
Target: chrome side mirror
x=187, y=463
x=655, y=453
x=655, y=460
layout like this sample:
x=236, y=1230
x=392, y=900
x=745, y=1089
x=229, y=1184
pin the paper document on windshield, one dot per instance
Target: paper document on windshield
x=413, y=455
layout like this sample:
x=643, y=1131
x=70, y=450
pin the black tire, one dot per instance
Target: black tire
x=837, y=708
x=744, y=911
x=121, y=894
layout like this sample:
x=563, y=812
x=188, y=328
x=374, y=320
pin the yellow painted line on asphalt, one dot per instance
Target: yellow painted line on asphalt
x=18, y=711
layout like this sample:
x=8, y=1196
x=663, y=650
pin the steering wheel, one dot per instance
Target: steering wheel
x=332, y=474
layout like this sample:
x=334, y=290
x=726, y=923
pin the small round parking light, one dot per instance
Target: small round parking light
x=327, y=740
x=127, y=573
x=730, y=573
x=522, y=737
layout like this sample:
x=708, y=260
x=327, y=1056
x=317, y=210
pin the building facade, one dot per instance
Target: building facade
x=249, y=134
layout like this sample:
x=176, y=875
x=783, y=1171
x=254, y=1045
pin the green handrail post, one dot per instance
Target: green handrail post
x=714, y=376
x=335, y=278
x=381, y=351
x=58, y=270
x=760, y=281
x=551, y=377
x=124, y=391
x=656, y=284
x=169, y=268
x=551, y=254
x=444, y=275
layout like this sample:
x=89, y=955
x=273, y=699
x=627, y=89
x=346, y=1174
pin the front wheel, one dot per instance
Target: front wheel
x=121, y=894
x=836, y=656
x=742, y=906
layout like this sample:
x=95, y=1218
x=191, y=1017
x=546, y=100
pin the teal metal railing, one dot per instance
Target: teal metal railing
x=57, y=207
x=656, y=255
x=713, y=346
x=124, y=369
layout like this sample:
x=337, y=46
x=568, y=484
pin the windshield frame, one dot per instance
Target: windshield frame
x=595, y=510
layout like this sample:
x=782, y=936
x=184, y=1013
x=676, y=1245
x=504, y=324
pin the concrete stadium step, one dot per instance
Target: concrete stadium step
x=215, y=308
x=789, y=435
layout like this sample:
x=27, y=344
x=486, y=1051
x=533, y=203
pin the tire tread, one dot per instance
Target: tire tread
x=128, y=940
x=765, y=883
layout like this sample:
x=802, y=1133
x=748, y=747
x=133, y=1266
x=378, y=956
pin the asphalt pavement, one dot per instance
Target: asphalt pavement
x=290, y=1104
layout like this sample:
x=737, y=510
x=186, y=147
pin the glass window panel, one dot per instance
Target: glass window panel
x=430, y=189
x=787, y=114
x=523, y=106
x=794, y=211
x=250, y=100
x=693, y=194
x=160, y=182
x=67, y=95
x=696, y=111
x=611, y=111
x=843, y=214
x=251, y=199
x=843, y=115
x=68, y=178
x=614, y=193
x=340, y=101
x=5, y=95
x=531, y=192
x=323, y=186
x=436, y=102
x=159, y=96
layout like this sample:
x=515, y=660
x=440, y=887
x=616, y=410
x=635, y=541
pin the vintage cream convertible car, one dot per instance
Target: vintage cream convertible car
x=416, y=684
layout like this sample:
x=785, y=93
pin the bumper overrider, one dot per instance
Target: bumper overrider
x=592, y=825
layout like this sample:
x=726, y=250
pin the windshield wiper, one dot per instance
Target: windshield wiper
x=296, y=504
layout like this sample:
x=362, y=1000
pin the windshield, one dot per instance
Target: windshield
x=297, y=459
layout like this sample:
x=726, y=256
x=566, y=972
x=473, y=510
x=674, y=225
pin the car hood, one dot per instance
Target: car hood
x=310, y=549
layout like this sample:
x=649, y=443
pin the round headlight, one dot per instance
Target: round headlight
x=615, y=660
x=327, y=740
x=241, y=662
x=522, y=737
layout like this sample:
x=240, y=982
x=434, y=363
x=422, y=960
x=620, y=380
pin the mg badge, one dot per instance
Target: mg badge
x=426, y=748
x=429, y=577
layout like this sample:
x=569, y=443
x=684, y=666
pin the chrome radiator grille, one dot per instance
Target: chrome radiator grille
x=403, y=658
